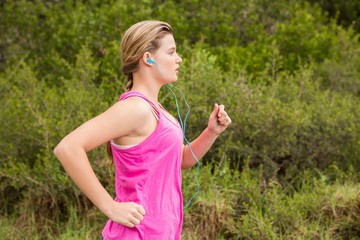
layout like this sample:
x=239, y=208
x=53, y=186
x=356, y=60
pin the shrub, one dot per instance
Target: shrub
x=288, y=124
x=288, y=76
x=35, y=117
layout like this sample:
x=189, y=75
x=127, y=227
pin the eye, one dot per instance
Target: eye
x=172, y=51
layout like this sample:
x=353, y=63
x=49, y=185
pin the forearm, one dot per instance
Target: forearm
x=77, y=166
x=199, y=147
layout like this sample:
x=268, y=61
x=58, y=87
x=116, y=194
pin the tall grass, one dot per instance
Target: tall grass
x=232, y=204
x=243, y=205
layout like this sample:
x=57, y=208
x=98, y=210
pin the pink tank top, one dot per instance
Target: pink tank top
x=150, y=174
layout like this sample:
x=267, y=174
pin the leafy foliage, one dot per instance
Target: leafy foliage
x=288, y=75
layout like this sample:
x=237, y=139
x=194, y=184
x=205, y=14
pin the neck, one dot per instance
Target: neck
x=150, y=90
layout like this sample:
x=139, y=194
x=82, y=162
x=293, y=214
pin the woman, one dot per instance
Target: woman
x=146, y=143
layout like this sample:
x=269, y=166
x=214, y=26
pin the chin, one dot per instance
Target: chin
x=173, y=80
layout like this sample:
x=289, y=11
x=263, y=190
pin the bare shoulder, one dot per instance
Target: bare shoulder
x=122, y=119
x=133, y=108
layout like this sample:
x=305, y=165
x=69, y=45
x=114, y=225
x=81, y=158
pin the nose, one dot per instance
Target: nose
x=178, y=59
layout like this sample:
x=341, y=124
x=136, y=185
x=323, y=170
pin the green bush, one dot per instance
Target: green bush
x=287, y=74
x=287, y=124
x=35, y=117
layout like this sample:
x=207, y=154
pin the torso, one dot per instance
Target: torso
x=149, y=174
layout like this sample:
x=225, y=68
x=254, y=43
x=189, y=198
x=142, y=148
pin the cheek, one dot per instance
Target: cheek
x=169, y=64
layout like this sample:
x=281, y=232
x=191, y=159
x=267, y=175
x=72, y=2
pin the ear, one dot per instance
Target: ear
x=146, y=56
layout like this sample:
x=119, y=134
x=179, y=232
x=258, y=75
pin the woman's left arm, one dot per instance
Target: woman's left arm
x=218, y=122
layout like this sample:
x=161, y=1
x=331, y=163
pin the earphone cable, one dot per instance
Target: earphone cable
x=183, y=127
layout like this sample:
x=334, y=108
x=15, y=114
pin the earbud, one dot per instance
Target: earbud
x=149, y=60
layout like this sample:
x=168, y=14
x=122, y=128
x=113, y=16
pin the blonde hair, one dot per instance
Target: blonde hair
x=140, y=38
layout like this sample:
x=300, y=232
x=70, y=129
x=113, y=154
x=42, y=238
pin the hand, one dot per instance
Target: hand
x=219, y=119
x=128, y=214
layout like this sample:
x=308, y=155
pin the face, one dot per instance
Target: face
x=167, y=59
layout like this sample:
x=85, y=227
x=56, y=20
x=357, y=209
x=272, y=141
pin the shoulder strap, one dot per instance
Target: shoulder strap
x=130, y=94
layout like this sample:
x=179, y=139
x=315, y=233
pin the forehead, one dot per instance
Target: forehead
x=167, y=41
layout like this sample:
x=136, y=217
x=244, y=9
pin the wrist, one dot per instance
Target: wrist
x=107, y=208
x=212, y=132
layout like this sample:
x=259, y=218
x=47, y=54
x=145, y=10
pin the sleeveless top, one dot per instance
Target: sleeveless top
x=149, y=174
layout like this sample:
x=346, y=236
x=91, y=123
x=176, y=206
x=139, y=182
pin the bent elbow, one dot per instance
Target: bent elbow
x=60, y=149
x=186, y=165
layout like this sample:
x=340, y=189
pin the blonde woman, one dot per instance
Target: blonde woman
x=145, y=140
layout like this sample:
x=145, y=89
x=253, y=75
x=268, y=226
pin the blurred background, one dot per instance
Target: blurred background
x=288, y=72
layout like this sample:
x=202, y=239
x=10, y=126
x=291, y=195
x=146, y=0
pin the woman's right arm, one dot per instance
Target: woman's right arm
x=71, y=152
